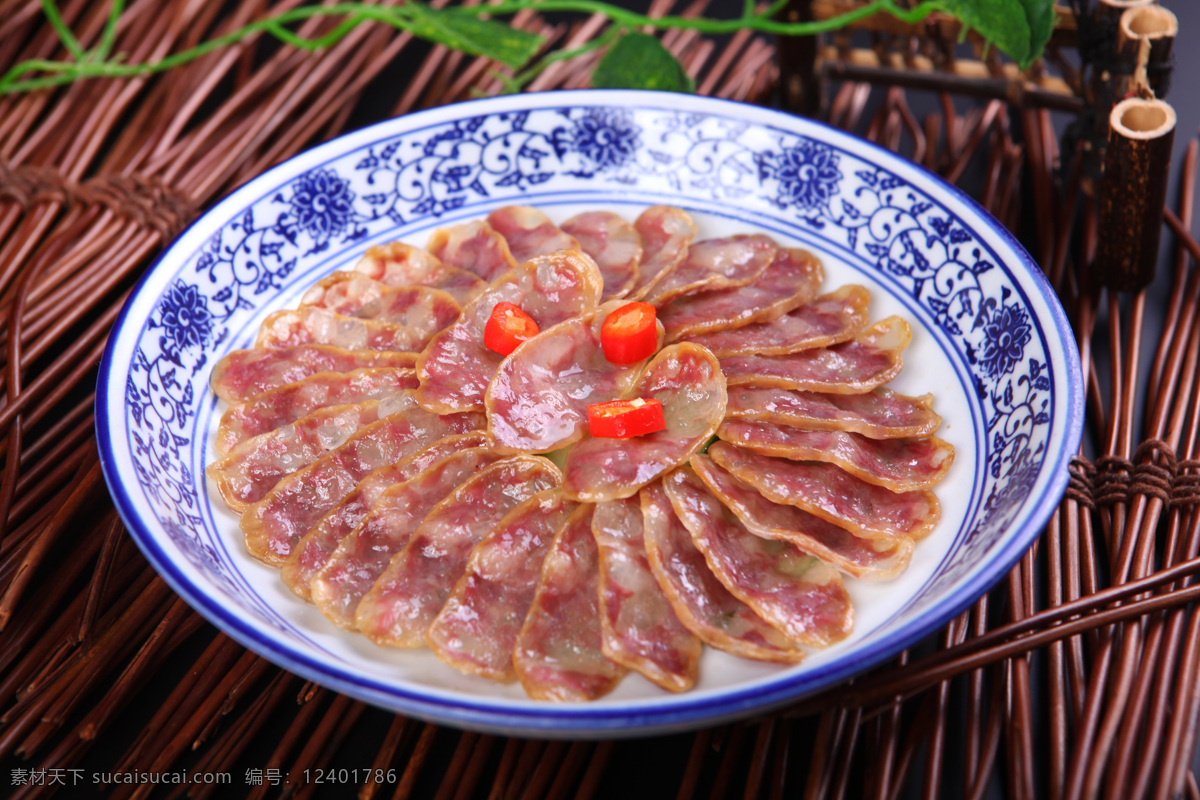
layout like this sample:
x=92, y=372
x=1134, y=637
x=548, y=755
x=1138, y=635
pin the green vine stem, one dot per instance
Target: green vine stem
x=473, y=30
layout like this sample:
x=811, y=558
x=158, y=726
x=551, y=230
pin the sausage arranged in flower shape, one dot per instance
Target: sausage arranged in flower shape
x=387, y=454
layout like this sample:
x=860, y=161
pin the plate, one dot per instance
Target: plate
x=990, y=341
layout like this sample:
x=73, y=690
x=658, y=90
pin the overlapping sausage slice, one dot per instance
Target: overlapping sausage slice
x=456, y=368
x=711, y=264
x=559, y=654
x=800, y=595
x=274, y=524
x=529, y=232
x=857, y=366
x=792, y=280
x=615, y=246
x=400, y=607
x=476, y=631
x=278, y=407
x=666, y=233
x=538, y=400
x=873, y=559
x=828, y=320
x=687, y=380
x=353, y=294
x=638, y=626
x=475, y=247
x=401, y=265
x=245, y=373
x=314, y=325
x=701, y=602
x=879, y=414
x=314, y=548
x=833, y=494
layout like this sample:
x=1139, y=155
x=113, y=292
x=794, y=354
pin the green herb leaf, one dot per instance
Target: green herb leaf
x=1002, y=23
x=472, y=35
x=639, y=61
x=1040, y=16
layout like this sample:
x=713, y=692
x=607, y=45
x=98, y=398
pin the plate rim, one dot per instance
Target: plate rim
x=640, y=717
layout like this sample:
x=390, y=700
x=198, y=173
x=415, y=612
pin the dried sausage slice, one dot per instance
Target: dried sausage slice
x=833, y=494
x=475, y=247
x=687, y=380
x=399, y=608
x=830, y=319
x=399, y=264
x=273, y=525
x=476, y=631
x=879, y=414
x=872, y=559
x=558, y=655
x=615, y=246
x=245, y=373
x=278, y=407
x=314, y=549
x=529, y=232
x=902, y=465
x=702, y=602
x=313, y=325
x=538, y=400
x=361, y=557
x=800, y=595
x=456, y=368
x=252, y=468
x=639, y=628
x=854, y=367
x=792, y=280
x=666, y=233
x=712, y=264
x=353, y=294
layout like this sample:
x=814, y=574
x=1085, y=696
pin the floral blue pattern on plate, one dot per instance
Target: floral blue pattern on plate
x=990, y=341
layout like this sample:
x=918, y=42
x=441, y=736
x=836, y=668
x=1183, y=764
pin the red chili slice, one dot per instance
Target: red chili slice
x=630, y=333
x=623, y=419
x=507, y=327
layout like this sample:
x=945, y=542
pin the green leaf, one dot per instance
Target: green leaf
x=464, y=31
x=639, y=61
x=1003, y=23
x=1040, y=16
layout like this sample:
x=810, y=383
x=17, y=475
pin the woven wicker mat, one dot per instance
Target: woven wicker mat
x=1075, y=677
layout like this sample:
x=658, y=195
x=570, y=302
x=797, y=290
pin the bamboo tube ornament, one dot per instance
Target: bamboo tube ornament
x=1145, y=37
x=1134, y=188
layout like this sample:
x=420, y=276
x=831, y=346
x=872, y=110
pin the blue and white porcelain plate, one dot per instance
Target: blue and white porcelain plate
x=990, y=341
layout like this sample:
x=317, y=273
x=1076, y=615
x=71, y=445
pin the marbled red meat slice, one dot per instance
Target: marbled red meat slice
x=666, y=233
x=538, y=400
x=313, y=325
x=273, y=525
x=456, y=367
x=315, y=547
x=701, y=602
x=362, y=556
x=244, y=373
x=558, y=655
x=879, y=414
x=902, y=465
x=399, y=264
x=713, y=264
x=860, y=365
x=476, y=630
x=639, y=629
x=792, y=280
x=872, y=559
x=353, y=294
x=529, y=232
x=278, y=407
x=833, y=494
x=687, y=380
x=251, y=469
x=800, y=595
x=615, y=246
x=399, y=608
x=475, y=247
x=830, y=319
